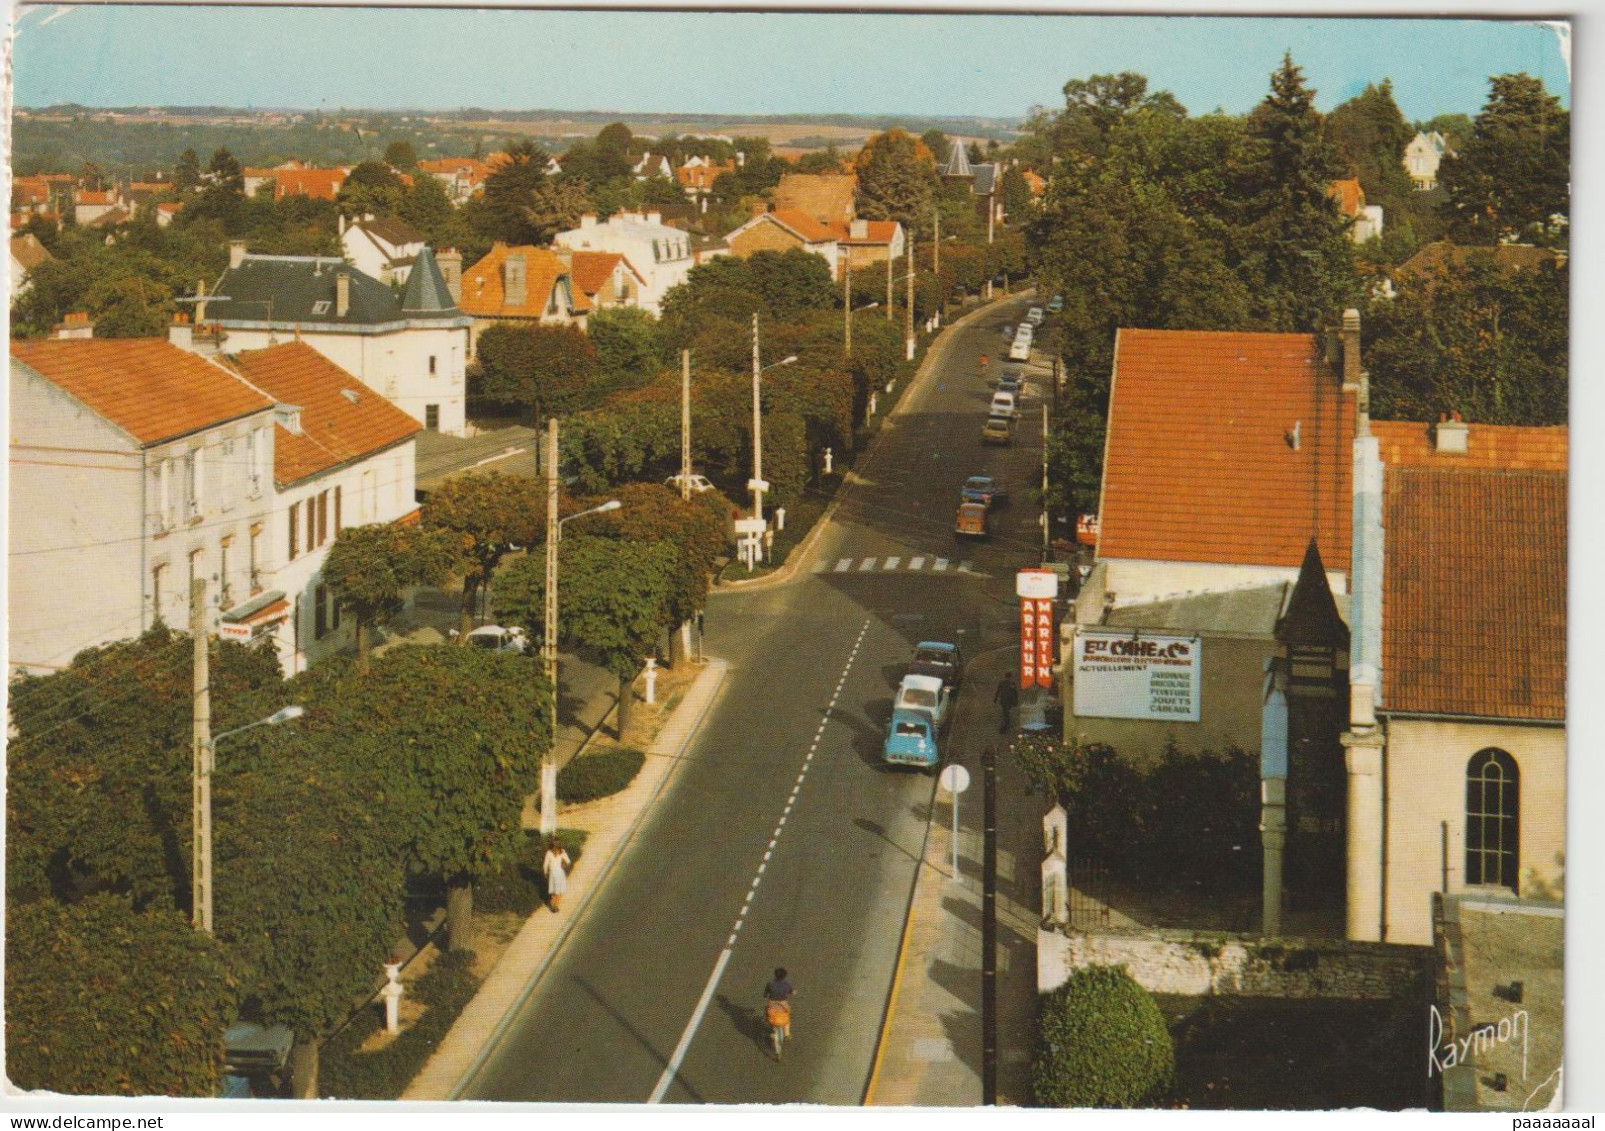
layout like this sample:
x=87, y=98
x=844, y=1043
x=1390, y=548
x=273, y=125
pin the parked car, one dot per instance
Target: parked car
x=983, y=489
x=1035, y=316
x=974, y=520
x=1008, y=331
x=1003, y=405
x=1020, y=350
x=1010, y=382
x=699, y=483
x=925, y=693
x=495, y=638
x=997, y=430
x=910, y=740
x=940, y=659
x=1055, y=304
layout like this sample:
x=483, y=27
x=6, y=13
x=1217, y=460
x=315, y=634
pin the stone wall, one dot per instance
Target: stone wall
x=1203, y=963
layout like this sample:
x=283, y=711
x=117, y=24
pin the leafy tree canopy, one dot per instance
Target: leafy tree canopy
x=1514, y=174
x=896, y=180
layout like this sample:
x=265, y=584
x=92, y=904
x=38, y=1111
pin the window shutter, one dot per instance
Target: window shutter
x=323, y=517
x=337, y=526
x=295, y=515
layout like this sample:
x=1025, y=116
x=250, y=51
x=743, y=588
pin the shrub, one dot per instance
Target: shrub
x=520, y=887
x=1101, y=1042
x=602, y=774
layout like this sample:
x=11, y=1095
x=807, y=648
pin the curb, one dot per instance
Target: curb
x=787, y=573
x=677, y=733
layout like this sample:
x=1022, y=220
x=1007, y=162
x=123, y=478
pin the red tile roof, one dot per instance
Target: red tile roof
x=148, y=387
x=1200, y=467
x=30, y=191
x=1474, y=593
x=341, y=418
x=85, y=196
x=484, y=295
x=1349, y=195
x=28, y=251
x=802, y=225
x=593, y=269
x=1034, y=182
x=878, y=232
x=320, y=184
x=1500, y=447
x=1507, y=257
x=702, y=176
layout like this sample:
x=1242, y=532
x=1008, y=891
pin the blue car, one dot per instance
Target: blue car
x=911, y=740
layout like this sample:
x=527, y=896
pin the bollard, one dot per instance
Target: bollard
x=1056, y=831
x=391, y=992
x=651, y=679
x=780, y=518
x=873, y=397
x=828, y=461
x=1055, y=891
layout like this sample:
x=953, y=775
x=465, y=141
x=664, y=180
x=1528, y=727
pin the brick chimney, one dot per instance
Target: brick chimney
x=1355, y=379
x=342, y=293
x=180, y=332
x=1453, y=435
x=75, y=327
x=450, y=262
x=515, y=284
x=236, y=252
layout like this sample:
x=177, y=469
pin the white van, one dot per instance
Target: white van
x=1035, y=316
x=1020, y=350
x=1002, y=405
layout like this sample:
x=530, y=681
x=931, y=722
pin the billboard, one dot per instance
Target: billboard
x=1037, y=589
x=1136, y=676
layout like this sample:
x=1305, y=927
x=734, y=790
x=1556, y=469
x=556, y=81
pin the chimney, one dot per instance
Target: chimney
x=236, y=252
x=1453, y=435
x=565, y=256
x=450, y=262
x=75, y=327
x=342, y=224
x=588, y=220
x=514, y=284
x=654, y=217
x=180, y=332
x=1355, y=379
x=200, y=304
x=342, y=293
x=859, y=230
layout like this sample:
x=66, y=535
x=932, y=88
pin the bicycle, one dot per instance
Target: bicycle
x=778, y=1015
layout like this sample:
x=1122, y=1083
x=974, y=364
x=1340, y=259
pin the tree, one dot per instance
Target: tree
x=1513, y=176
x=615, y=597
x=1101, y=1042
x=489, y=515
x=105, y=1000
x=629, y=350
x=373, y=187
x=1293, y=243
x=614, y=139
x=500, y=213
x=223, y=195
x=546, y=369
x=555, y=205
x=401, y=155
x=187, y=173
x=1016, y=195
x=937, y=142
x=896, y=180
x=370, y=568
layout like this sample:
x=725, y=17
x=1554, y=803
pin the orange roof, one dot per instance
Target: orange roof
x=801, y=224
x=320, y=184
x=85, y=196
x=1033, y=182
x=877, y=232
x=702, y=176
x=1503, y=447
x=592, y=269
x=150, y=186
x=1474, y=593
x=30, y=190
x=484, y=295
x=1349, y=195
x=28, y=251
x=170, y=206
x=341, y=418
x=148, y=387
x=1201, y=465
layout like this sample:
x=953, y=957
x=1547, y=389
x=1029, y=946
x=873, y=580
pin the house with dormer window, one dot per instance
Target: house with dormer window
x=523, y=285
x=661, y=254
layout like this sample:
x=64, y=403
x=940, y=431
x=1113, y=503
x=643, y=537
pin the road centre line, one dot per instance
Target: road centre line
x=672, y=1069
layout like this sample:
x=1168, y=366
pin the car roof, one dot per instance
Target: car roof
x=937, y=646
x=921, y=683
x=978, y=479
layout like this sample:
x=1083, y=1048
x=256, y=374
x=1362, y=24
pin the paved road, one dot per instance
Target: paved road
x=781, y=840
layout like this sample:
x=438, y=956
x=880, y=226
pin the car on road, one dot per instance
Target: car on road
x=1035, y=316
x=974, y=520
x=1003, y=405
x=1008, y=331
x=1020, y=350
x=997, y=430
x=699, y=483
x=983, y=489
x=1055, y=304
x=910, y=740
x=925, y=693
x=938, y=658
x=495, y=638
x=1010, y=382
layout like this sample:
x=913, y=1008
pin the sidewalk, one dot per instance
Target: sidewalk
x=930, y=1049
x=611, y=824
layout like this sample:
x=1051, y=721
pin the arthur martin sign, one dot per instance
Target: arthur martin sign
x=1127, y=676
x=1037, y=589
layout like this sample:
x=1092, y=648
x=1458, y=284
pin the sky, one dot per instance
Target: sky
x=742, y=62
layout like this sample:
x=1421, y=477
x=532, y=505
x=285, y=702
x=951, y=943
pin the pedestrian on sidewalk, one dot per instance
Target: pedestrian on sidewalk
x=556, y=866
x=1006, y=696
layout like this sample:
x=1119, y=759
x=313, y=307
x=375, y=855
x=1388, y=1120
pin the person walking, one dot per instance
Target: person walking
x=1006, y=696
x=555, y=866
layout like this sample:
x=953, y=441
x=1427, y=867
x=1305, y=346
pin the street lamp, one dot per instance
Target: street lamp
x=757, y=483
x=847, y=327
x=554, y=535
x=201, y=880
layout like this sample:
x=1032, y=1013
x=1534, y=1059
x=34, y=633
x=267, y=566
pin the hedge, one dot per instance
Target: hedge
x=602, y=774
x=1101, y=1042
x=520, y=888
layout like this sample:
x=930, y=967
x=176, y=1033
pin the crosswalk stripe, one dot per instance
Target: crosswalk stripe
x=916, y=563
x=867, y=564
x=891, y=563
x=844, y=565
x=941, y=565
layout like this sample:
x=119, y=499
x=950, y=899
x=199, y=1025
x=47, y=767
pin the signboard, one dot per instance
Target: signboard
x=1137, y=676
x=227, y=630
x=1036, y=583
x=751, y=525
x=954, y=778
x=1087, y=529
x=1036, y=642
x=757, y=484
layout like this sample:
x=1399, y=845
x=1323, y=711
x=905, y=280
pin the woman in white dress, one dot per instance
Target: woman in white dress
x=556, y=866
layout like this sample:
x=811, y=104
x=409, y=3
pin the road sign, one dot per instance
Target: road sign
x=757, y=484
x=229, y=631
x=954, y=778
x=751, y=525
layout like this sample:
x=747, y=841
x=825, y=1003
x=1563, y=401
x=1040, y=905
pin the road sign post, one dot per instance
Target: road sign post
x=955, y=779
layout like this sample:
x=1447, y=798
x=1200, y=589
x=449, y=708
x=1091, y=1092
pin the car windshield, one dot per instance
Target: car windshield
x=485, y=640
x=918, y=697
x=978, y=483
x=933, y=656
x=909, y=730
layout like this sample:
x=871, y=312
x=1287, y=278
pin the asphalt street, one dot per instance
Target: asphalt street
x=781, y=840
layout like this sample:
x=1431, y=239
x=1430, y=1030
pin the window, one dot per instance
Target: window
x=255, y=444
x=256, y=558
x=1493, y=794
x=225, y=590
x=325, y=613
x=431, y=365
x=156, y=575
x=295, y=516
x=192, y=486
x=164, y=495
x=432, y=417
x=225, y=497
x=323, y=517
x=309, y=519
x=321, y=306
x=370, y=497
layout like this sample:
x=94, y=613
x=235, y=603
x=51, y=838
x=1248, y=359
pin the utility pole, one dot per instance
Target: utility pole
x=936, y=244
x=1046, y=543
x=990, y=213
x=201, y=756
x=757, y=429
x=685, y=424
x=847, y=307
x=908, y=332
x=989, y=927
x=890, y=260
x=548, y=778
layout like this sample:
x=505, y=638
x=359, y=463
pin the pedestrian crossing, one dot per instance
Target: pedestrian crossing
x=897, y=564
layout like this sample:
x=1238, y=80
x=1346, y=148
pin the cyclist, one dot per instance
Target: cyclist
x=777, y=1007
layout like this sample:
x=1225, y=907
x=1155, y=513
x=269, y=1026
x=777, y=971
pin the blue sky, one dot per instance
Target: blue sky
x=741, y=63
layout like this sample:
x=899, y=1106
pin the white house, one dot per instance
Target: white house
x=652, y=165
x=135, y=467
x=1423, y=156
x=661, y=255
x=342, y=456
x=412, y=348
x=27, y=253
x=384, y=248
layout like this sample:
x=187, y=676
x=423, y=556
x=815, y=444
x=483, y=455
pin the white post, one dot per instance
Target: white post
x=1055, y=890
x=391, y=992
x=1056, y=831
x=955, y=836
x=873, y=397
x=827, y=461
x=549, y=797
x=757, y=429
x=651, y=679
x=780, y=518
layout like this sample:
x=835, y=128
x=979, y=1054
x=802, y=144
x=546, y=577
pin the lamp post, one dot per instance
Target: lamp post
x=847, y=345
x=554, y=535
x=201, y=882
x=757, y=482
